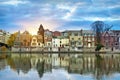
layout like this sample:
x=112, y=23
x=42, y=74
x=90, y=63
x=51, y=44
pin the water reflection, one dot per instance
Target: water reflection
x=70, y=67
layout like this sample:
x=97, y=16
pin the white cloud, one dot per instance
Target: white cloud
x=114, y=6
x=94, y=18
x=71, y=9
x=69, y=14
x=101, y=18
x=13, y=2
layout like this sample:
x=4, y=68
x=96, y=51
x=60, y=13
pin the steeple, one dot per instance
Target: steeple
x=41, y=27
x=41, y=30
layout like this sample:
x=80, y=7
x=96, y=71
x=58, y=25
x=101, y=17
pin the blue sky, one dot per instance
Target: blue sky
x=57, y=14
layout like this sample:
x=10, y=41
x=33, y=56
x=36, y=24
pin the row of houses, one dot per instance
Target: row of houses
x=67, y=40
x=55, y=40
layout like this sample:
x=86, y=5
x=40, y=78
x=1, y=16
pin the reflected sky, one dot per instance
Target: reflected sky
x=69, y=67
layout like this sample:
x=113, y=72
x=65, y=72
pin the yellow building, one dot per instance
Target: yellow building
x=35, y=42
x=76, y=39
x=64, y=42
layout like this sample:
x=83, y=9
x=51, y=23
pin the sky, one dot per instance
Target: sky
x=59, y=15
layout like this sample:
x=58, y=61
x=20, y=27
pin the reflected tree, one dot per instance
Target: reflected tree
x=40, y=68
x=22, y=63
x=99, y=27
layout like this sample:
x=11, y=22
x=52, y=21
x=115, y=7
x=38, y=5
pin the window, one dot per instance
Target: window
x=72, y=47
x=79, y=47
x=33, y=43
x=79, y=43
x=84, y=34
x=56, y=45
x=72, y=43
x=117, y=39
x=89, y=39
x=93, y=44
x=72, y=38
x=93, y=38
x=85, y=39
x=49, y=44
x=85, y=43
x=34, y=40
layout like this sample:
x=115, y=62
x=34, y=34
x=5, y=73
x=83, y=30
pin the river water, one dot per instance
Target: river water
x=60, y=67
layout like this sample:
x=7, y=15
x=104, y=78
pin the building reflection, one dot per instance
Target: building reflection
x=20, y=64
x=3, y=64
x=106, y=65
x=82, y=64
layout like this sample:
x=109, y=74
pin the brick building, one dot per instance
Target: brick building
x=107, y=40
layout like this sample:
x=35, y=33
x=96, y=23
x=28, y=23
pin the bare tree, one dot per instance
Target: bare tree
x=99, y=27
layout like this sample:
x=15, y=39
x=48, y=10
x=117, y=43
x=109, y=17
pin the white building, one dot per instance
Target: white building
x=60, y=42
x=55, y=42
x=4, y=36
x=48, y=38
x=7, y=36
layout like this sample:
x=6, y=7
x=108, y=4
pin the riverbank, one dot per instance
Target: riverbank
x=61, y=52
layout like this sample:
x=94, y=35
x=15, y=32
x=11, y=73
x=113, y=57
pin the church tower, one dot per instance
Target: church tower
x=40, y=33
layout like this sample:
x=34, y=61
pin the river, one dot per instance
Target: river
x=60, y=67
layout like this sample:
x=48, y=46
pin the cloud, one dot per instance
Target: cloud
x=56, y=14
x=13, y=2
x=102, y=19
x=71, y=9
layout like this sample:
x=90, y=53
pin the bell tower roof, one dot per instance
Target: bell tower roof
x=41, y=27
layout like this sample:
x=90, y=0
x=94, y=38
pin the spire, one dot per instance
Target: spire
x=41, y=27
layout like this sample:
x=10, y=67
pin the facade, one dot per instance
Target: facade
x=76, y=40
x=4, y=36
x=64, y=42
x=7, y=36
x=60, y=42
x=117, y=39
x=34, y=42
x=25, y=39
x=55, y=42
x=48, y=38
x=88, y=39
x=66, y=33
x=56, y=33
x=73, y=40
x=108, y=40
x=17, y=42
